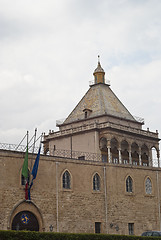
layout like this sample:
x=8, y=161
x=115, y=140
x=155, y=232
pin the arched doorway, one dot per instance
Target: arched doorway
x=25, y=220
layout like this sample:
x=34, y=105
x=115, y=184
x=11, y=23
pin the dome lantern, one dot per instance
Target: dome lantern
x=99, y=73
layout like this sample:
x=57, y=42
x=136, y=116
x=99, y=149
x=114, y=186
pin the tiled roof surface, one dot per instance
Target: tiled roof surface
x=100, y=100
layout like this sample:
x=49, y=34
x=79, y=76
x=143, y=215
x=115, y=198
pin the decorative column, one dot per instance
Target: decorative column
x=140, y=160
x=130, y=158
x=158, y=158
x=120, y=159
x=119, y=149
x=109, y=151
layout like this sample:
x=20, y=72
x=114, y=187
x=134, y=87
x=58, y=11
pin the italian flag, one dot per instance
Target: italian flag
x=25, y=172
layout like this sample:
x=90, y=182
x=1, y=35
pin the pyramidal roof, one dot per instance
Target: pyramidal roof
x=99, y=100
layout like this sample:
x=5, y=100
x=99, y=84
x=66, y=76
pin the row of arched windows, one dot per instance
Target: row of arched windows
x=66, y=183
x=126, y=153
x=66, y=180
x=97, y=183
x=129, y=185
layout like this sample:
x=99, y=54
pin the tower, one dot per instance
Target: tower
x=101, y=125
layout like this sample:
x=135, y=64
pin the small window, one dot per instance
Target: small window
x=96, y=182
x=148, y=186
x=87, y=112
x=81, y=157
x=129, y=184
x=97, y=227
x=131, y=228
x=66, y=180
x=23, y=180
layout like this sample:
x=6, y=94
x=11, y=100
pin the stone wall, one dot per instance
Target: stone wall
x=77, y=209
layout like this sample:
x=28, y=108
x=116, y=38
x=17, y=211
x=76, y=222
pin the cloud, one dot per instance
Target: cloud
x=139, y=89
x=49, y=52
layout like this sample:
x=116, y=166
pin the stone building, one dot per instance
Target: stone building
x=97, y=174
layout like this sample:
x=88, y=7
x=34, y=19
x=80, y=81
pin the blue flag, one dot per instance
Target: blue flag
x=34, y=171
x=36, y=164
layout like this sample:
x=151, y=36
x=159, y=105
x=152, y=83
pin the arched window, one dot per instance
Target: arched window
x=66, y=180
x=129, y=184
x=114, y=151
x=124, y=152
x=155, y=162
x=103, y=148
x=135, y=153
x=96, y=182
x=145, y=155
x=23, y=180
x=148, y=186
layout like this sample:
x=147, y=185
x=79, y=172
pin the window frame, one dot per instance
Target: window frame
x=129, y=186
x=98, y=227
x=145, y=187
x=96, y=183
x=131, y=229
x=66, y=176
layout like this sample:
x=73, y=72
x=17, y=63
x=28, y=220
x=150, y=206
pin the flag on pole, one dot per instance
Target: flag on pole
x=25, y=165
x=36, y=165
x=34, y=171
x=26, y=191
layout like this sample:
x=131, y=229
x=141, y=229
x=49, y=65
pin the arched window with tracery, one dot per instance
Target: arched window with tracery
x=129, y=184
x=148, y=186
x=96, y=182
x=66, y=180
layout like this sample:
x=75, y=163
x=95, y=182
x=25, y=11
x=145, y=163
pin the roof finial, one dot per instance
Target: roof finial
x=98, y=58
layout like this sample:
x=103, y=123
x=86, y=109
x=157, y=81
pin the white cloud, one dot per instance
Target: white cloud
x=49, y=52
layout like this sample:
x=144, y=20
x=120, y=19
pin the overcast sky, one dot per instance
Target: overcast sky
x=48, y=53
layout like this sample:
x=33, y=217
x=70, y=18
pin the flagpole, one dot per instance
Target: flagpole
x=27, y=153
x=41, y=139
x=21, y=142
x=25, y=169
x=35, y=169
x=33, y=150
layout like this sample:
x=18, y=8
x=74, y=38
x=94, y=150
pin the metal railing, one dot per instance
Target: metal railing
x=78, y=155
x=92, y=82
x=19, y=148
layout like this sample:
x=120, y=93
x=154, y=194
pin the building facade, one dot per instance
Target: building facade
x=97, y=174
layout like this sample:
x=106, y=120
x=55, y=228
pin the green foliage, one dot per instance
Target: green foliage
x=27, y=235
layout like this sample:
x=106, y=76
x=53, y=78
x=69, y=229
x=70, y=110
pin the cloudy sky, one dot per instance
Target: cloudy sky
x=48, y=52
